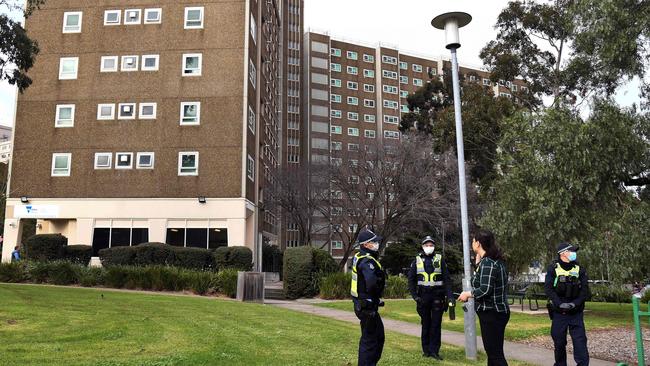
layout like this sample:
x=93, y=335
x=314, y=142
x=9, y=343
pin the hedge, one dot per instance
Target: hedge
x=240, y=258
x=161, y=254
x=303, y=268
x=397, y=287
x=337, y=286
x=44, y=247
x=80, y=254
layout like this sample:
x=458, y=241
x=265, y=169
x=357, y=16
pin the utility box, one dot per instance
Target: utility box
x=250, y=286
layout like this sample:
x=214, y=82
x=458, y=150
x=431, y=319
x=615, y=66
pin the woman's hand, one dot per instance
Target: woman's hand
x=464, y=296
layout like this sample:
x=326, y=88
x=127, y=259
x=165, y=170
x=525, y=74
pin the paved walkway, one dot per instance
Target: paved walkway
x=515, y=351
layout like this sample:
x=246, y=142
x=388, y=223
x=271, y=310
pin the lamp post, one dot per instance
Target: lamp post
x=450, y=22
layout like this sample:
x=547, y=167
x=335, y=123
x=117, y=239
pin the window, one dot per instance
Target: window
x=352, y=85
x=335, y=98
x=72, y=22
x=403, y=94
x=389, y=74
x=145, y=160
x=391, y=119
x=505, y=95
x=250, y=168
x=252, y=73
x=404, y=108
x=68, y=68
x=514, y=87
x=61, y=164
x=351, y=55
x=391, y=134
x=369, y=103
x=486, y=82
x=417, y=82
x=335, y=83
x=335, y=67
x=112, y=17
x=403, y=79
x=403, y=65
x=431, y=71
x=352, y=70
x=335, y=52
x=391, y=104
x=194, y=18
x=368, y=58
x=108, y=64
x=370, y=134
x=353, y=179
x=148, y=110
x=126, y=111
x=105, y=111
x=353, y=131
x=389, y=60
x=130, y=63
x=153, y=16
x=370, y=118
x=369, y=73
x=335, y=113
x=253, y=29
x=368, y=88
x=103, y=160
x=123, y=160
x=150, y=62
x=390, y=89
x=251, y=120
x=353, y=116
x=336, y=146
x=472, y=78
x=337, y=130
x=353, y=101
x=192, y=64
x=132, y=16
x=190, y=113
x=337, y=244
x=188, y=163
x=417, y=68
x=64, y=115
x=353, y=147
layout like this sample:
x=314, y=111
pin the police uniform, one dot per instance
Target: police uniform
x=367, y=287
x=567, y=288
x=430, y=287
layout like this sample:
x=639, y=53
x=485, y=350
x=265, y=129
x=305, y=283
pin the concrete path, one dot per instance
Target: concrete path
x=515, y=351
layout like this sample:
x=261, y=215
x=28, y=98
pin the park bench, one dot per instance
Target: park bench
x=519, y=291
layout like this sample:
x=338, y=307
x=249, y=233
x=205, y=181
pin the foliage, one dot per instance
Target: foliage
x=91, y=276
x=398, y=256
x=240, y=258
x=645, y=299
x=44, y=247
x=335, y=286
x=303, y=269
x=397, y=287
x=610, y=293
x=80, y=254
x=226, y=282
x=12, y=272
x=271, y=258
x=158, y=254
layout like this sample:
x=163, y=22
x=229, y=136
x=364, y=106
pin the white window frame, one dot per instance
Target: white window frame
x=150, y=10
x=99, y=112
x=253, y=28
x=391, y=135
x=66, y=28
x=202, y=19
x=153, y=160
x=252, y=73
x=117, y=161
x=368, y=135
x=63, y=60
x=141, y=109
x=102, y=68
x=119, y=17
x=194, y=72
x=123, y=63
x=119, y=111
x=368, y=58
x=351, y=131
x=335, y=98
x=391, y=60
x=69, y=168
x=250, y=168
x=367, y=73
x=403, y=79
x=352, y=70
x=417, y=82
x=370, y=118
x=252, y=119
x=352, y=55
x=335, y=67
x=336, y=83
x=369, y=103
x=180, y=163
x=403, y=65
x=368, y=88
x=416, y=68
x=57, y=118
x=198, y=114
x=110, y=160
x=352, y=101
x=353, y=116
x=354, y=84
x=143, y=66
x=336, y=130
x=335, y=113
x=336, y=52
x=126, y=19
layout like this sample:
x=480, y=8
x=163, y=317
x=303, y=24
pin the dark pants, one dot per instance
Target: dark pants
x=431, y=309
x=575, y=324
x=372, y=339
x=493, y=328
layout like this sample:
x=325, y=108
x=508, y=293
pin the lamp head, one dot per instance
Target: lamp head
x=450, y=22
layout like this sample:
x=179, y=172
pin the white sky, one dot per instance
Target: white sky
x=402, y=23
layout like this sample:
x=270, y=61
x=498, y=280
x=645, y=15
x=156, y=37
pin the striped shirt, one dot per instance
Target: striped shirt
x=490, y=286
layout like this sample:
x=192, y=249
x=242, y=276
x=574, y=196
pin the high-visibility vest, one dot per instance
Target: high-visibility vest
x=429, y=279
x=566, y=281
x=355, y=261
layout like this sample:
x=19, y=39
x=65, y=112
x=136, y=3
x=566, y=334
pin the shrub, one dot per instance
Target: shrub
x=335, y=286
x=298, y=267
x=13, y=272
x=79, y=254
x=91, y=276
x=240, y=258
x=226, y=282
x=44, y=247
x=149, y=254
x=398, y=256
x=193, y=258
x=610, y=293
x=396, y=287
x=62, y=273
x=116, y=276
x=117, y=256
x=646, y=297
x=38, y=272
x=200, y=282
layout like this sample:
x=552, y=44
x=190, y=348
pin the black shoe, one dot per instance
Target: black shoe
x=436, y=356
x=426, y=355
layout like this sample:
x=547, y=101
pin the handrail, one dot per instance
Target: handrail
x=637, y=328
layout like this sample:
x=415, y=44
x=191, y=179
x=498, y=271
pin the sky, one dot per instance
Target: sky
x=405, y=24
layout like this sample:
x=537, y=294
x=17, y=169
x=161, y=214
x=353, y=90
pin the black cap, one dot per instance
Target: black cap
x=427, y=239
x=564, y=246
x=366, y=236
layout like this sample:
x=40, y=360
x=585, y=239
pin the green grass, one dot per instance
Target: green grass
x=41, y=325
x=521, y=326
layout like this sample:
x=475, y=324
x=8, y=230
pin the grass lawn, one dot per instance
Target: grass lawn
x=521, y=326
x=41, y=325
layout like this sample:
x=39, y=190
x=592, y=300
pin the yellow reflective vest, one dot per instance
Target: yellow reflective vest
x=429, y=279
x=355, y=261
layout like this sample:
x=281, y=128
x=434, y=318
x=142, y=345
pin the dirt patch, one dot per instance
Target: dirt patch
x=617, y=345
x=11, y=322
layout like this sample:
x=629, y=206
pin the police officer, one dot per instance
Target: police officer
x=567, y=288
x=430, y=287
x=367, y=287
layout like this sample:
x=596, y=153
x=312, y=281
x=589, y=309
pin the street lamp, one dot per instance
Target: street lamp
x=450, y=22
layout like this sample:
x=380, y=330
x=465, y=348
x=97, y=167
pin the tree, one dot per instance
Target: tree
x=17, y=49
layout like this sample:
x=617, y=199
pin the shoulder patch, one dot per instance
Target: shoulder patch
x=372, y=266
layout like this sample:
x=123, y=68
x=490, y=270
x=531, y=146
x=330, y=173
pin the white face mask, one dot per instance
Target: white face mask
x=428, y=250
x=372, y=247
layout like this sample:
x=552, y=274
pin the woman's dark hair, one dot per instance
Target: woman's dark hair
x=488, y=243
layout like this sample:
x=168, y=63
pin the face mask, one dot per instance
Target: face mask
x=428, y=250
x=373, y=247
x=573, y=256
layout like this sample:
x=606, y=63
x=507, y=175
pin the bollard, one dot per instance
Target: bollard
x=250, y=286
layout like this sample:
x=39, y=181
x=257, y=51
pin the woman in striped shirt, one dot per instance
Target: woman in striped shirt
x=490, y=291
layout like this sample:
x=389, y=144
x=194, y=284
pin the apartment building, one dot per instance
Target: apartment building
x=5, y=143
x=158, y=121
